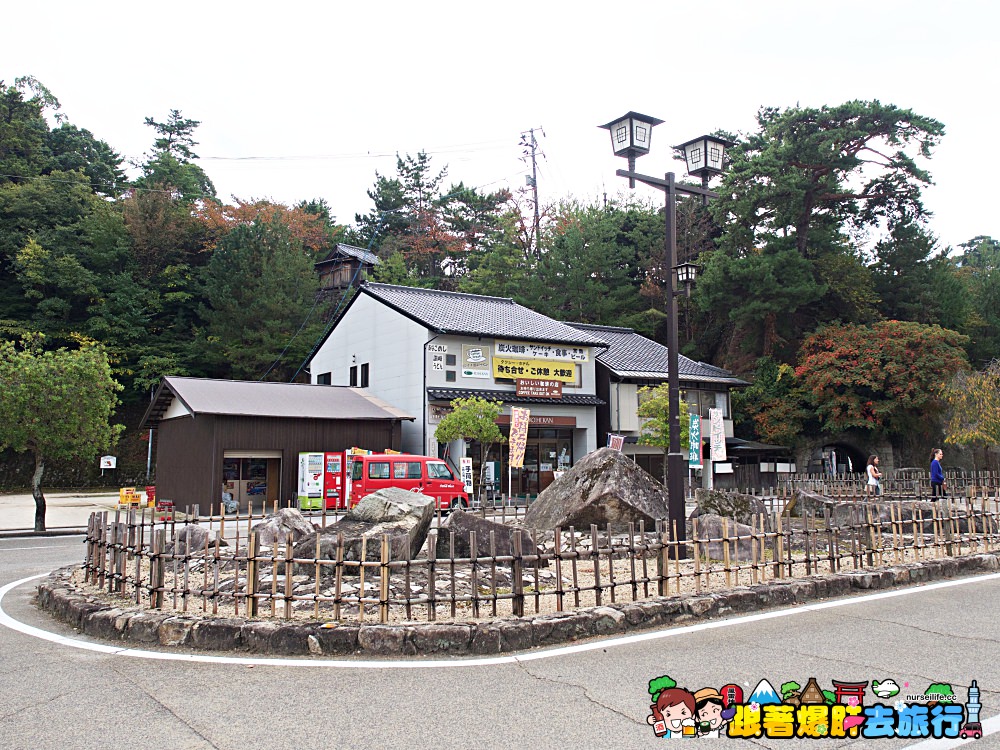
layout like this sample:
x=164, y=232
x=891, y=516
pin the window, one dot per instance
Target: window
x=577, y=378
x=324, y=378
x=438, y=470
x=449, y=360
x=364, y=375
x=356, y=471
x=406, y=470
x=354, y=376
x=449, y=376
x=378, y=470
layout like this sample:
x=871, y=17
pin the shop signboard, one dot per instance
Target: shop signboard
x=504, y=367
x=466, y=468
x=717, y=434
x=533, y=388
x=475, y=361
x=694, y=442
x=530, y=350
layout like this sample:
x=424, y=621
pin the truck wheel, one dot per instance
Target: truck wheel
x=459, y=503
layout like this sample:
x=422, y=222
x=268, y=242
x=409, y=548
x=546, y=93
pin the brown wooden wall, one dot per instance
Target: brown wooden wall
x=189, y=450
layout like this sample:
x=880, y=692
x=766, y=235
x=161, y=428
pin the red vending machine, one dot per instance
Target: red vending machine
x=334, y=480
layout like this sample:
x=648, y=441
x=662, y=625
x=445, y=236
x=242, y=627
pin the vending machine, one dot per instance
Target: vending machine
x=322, y=481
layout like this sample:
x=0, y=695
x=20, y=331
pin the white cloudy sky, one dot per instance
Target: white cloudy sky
x=308, y=99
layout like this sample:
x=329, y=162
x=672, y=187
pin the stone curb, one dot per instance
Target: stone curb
x=68, y=603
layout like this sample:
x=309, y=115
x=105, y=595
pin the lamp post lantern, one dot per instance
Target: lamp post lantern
x=705, y=158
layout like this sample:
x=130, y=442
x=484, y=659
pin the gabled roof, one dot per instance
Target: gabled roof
x=476, y=315
x=632, y=355
x=355, y=252
x=256, y=399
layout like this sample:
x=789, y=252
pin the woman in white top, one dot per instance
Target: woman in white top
x=874, y=477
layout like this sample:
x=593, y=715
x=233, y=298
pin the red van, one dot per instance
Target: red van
x=429, y=476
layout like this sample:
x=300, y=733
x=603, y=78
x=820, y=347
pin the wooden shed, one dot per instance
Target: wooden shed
x=247, y=436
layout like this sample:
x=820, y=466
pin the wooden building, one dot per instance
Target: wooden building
x=345, y=266
x=247, y=435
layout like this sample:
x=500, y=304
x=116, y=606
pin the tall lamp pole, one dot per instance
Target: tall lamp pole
x=630, y=137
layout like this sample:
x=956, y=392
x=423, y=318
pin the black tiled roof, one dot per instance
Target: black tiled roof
x=476, y=315
x=632, y=355
x=510, y=397
x=355, y=252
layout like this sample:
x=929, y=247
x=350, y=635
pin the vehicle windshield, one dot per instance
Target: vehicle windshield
x=438, y=470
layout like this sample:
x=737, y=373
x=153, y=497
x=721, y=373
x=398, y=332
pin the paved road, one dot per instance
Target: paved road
x=592, y=696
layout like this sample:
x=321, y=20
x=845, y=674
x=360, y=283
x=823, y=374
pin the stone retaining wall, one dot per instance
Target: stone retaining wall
x=69, y=603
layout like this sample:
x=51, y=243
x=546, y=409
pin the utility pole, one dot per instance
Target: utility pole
x=529, y=145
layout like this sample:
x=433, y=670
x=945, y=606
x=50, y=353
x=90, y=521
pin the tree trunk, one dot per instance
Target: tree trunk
x=36, y=492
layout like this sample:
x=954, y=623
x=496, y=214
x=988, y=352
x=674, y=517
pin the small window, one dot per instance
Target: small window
x=364, y=375
x=438, y=470
x=577, y=378
x=406, y=470
x=449, y=360
x=378, y=470
x=354, y=376
x=356, y=471
x=324, y=378
x=449, y=376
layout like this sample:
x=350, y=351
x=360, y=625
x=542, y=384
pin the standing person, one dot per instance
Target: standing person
x=937, y=474
x=874, y=476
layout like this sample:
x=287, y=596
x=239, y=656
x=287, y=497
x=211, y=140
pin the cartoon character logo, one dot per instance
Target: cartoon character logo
x=885, y=688
x=711, y=713
x=673, y=709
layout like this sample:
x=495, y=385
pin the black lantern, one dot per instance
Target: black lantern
x=630, y=136
x=686, y=273
x=705, y=156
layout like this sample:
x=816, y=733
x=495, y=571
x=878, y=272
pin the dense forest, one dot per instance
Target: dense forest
x=820, y=281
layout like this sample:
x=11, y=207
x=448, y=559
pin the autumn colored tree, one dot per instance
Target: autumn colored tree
x=773, y=408
x=889, y=376
x=308, y=227
x=973, y=400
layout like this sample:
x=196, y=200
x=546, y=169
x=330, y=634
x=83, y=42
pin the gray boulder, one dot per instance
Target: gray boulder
x=734, y=505
x=905, y=512
x=288, y=524
x=710, y=527
x=803, y=502
x=462, y=523
x=603, y=488
x=404, y=517
x=191, y=539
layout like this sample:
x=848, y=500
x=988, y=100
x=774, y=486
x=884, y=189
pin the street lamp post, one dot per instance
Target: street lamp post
x=631, y=137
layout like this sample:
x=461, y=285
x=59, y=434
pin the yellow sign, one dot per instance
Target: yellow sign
x=533, y=368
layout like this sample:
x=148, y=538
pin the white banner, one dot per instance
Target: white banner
x=465, y=464
x=717, y=434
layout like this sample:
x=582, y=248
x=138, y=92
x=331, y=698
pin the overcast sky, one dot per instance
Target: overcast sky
x=302, y=100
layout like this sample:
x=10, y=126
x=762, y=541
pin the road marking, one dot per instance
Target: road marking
x=990, y=726
x=418, y=663
x=40, y=546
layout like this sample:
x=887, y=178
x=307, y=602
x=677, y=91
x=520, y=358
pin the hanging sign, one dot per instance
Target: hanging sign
x=519, y=419
x=466, y=468
x=718, y=434
x=529, y=387
x=694, y=442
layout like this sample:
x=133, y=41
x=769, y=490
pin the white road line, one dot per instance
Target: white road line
x=40, y=546
x=989, y=727
x=417, y=663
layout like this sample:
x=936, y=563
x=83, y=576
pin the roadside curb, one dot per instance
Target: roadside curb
x=29, y=533
x=67, y=602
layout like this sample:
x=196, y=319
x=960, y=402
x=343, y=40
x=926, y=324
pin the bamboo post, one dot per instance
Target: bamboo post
x=557, y=556
x=431, y=574
x=338, y=577
x=361, y=578
x=253, y=582
x=725, y=551
x=474, y=573
x=384, y=573
x=696, y=542
x=517, y=577
x=156, y=570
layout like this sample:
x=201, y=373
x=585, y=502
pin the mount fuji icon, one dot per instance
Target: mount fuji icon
x=764, y=694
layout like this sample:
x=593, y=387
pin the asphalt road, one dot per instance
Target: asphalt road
x=592, y=695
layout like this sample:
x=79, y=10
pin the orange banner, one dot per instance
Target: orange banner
x=519, y=419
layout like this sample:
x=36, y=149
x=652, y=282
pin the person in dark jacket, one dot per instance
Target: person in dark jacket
x=937, y=474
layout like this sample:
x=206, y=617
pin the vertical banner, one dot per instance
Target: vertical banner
x=694, y=441
x=466, y=467
x=615, y=442
x=718, y=434
x=518, y=435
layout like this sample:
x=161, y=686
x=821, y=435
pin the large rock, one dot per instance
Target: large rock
x=710, y=527
x=404, y=516
x=803, y=502
x=288, y=524
x=603, y=488
x=905, y=512
x=747, y=509
x=191, y=539
x=462, y=523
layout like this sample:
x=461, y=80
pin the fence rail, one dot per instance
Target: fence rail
x=148, y=563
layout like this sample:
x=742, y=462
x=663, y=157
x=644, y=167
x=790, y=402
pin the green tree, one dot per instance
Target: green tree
x=889, y=376
x=57, y=405
x=24, y=151
x=76, y=148
x=801, y=191
x=654, y=408
x=473, y=418
x=170, y=167
x=260, y=302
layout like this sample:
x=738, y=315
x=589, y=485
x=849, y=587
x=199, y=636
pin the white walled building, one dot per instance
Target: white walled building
x=418, y=349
